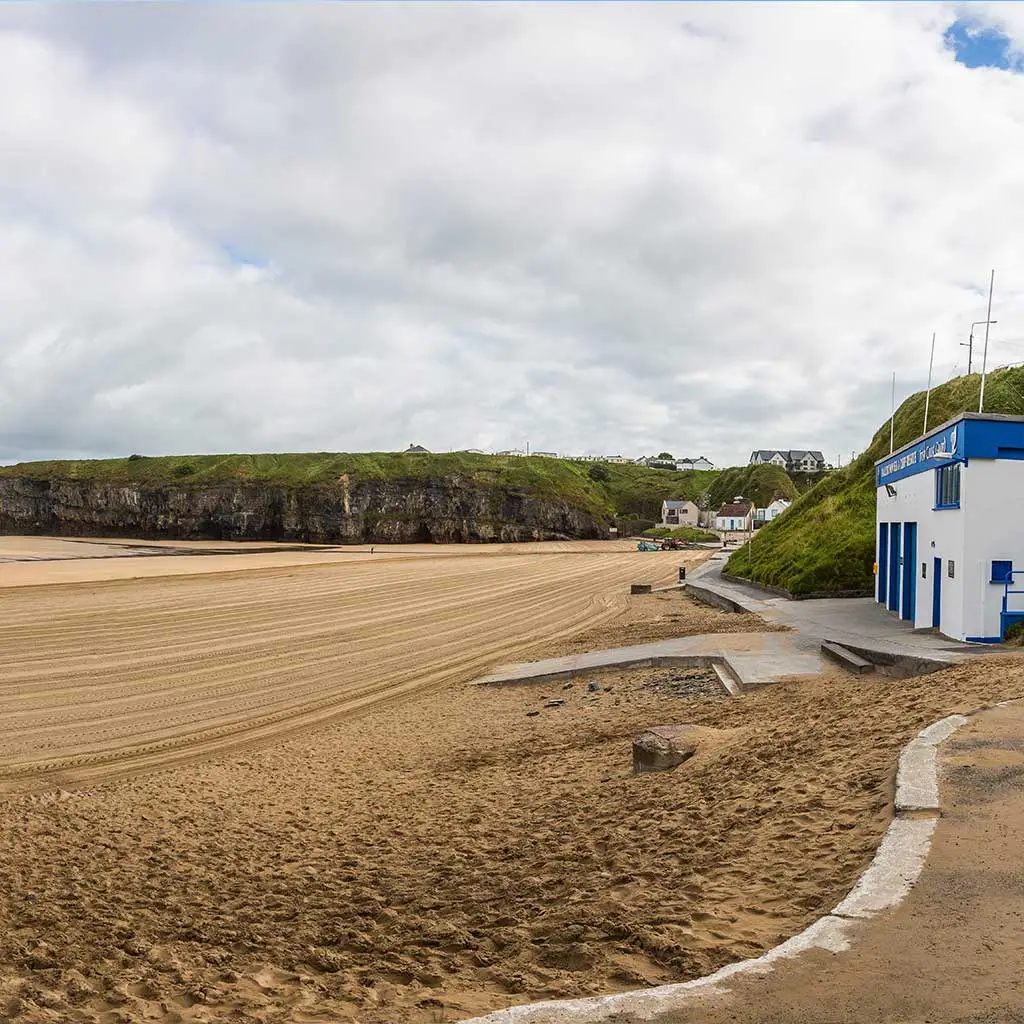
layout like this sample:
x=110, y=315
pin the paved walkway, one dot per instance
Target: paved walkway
x=857, y=622
x=954, y=949
x=753, y=659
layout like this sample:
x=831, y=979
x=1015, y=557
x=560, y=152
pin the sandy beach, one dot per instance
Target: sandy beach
x=125, y=675
x=438, y=850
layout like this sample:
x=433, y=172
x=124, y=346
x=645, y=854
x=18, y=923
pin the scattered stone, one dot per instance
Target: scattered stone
x=663, y=747
x=568, y=686
x=592, y=687
x=685, y=682
x=532, y=714
x=556, y=703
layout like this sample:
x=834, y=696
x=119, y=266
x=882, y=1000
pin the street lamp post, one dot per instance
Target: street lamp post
x=969, y=343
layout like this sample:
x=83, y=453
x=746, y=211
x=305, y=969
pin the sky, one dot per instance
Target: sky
x=590, y=228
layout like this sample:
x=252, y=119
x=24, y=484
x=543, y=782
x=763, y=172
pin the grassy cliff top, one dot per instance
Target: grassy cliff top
x=826, y=540
x=613, y=489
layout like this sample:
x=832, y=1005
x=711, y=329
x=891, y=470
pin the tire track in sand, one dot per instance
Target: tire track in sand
x=102, y=680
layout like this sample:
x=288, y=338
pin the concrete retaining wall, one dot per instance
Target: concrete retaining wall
x=814, y=595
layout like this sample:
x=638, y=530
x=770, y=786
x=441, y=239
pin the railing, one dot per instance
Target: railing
x=1009, y=616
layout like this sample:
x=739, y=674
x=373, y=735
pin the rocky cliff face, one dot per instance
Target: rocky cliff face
x=395, y=511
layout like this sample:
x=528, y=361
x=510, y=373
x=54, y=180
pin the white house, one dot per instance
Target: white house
x=734, y=516
x=699, y=463
x=949, y=548
x=679, y=513
x=772, y=510
x=795, y=460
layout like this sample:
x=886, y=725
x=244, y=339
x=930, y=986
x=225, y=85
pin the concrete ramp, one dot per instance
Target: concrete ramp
x=749, y=659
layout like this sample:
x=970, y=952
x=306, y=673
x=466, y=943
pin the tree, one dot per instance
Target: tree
x=666, y=455
x=598, y=472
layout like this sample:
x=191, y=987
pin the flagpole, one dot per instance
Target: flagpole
x=984, y=358
x=892, y=415
x=928, y=393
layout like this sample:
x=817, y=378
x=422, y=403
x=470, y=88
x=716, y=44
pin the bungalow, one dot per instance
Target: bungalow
x=771, y=511
x=679, y=513
x=735, y=515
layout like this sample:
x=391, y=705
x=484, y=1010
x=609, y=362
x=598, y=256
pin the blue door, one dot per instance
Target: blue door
x=883, y=559
x=936, y=591
x=894, y=567
x=909, y=574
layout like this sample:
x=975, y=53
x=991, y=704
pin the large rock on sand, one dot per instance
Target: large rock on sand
x=662, y=747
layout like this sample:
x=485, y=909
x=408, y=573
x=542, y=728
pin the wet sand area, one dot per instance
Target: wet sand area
x=451, y=849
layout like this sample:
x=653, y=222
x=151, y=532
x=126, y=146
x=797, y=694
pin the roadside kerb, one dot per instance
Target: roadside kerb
x=714, y=598
x=895, y=868
x=846, y=658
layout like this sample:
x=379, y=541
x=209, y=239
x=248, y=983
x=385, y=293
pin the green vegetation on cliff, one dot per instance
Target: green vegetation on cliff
x=825, y=542
x=758, y=484
x=604, y=490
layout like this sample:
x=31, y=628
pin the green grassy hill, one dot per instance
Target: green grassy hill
x=826, y=540
x=606, y=490
x=758, y=484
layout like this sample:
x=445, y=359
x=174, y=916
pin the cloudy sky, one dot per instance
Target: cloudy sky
x=607, y=229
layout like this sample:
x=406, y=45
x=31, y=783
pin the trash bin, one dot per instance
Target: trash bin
x=682, y=574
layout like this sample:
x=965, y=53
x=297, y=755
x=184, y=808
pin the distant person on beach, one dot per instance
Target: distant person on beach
x=371, y=551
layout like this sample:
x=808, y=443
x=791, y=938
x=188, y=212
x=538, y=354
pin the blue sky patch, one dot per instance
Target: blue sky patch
x=241, y=257
x=977, y=47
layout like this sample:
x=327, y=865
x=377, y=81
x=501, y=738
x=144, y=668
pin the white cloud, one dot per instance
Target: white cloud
x=604, y=228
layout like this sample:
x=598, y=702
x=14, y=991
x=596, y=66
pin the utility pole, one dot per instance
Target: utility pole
x=984, y=358
x=928, y=393
x=969, y=343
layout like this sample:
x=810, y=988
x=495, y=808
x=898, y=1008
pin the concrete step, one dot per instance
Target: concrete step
x=729, y=680
x=847, y=659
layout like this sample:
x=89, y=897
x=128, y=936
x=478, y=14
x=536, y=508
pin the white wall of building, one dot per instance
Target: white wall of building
x=984, y=528
x=994, y=530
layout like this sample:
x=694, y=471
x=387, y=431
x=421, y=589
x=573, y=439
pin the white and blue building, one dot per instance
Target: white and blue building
x=949, y=538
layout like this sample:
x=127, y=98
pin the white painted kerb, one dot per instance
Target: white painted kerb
x=917, y=781
x=895, y=868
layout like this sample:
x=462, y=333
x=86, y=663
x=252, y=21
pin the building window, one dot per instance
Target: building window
x=924, y=570
x=947, y=486
x=949, y=568
x=1002, y=572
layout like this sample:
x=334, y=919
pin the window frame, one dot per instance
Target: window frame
x=947, y=486
x=1007, y=565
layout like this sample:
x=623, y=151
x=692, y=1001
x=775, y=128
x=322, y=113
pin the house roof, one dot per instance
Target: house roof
x=738, y=509
x=793, y=455
x=417, y=448
x=669, y=503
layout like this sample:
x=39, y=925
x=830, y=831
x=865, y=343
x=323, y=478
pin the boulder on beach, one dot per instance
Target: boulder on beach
x=663, y=747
